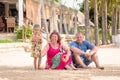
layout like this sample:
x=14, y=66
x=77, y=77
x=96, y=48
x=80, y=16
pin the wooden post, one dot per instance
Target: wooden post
x=61, y=19
x=55, y=19
x=75, y=26
x=44, y=15
x=39, y=13
x=20, y=12
x=7, y=10
x=65, y=23
x=51, y=19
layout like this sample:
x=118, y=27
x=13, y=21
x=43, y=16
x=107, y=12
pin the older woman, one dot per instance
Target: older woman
x=58, y=55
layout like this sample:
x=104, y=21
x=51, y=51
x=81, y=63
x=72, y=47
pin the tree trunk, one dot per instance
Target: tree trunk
x=119, y=19
x=68, y=23
x=104, y=22
x=114, y=22
x=87, y=22
x=96, y=23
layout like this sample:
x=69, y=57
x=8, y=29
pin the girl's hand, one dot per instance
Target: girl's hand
x=40, y=40
x=36, y=54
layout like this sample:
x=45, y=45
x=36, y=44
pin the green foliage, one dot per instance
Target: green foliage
x=9, y=41
x=109, y=21
x=19, y=34
x=108, y=34
x=100, y=33
x=57, y=1
x=28, y=33
x=91, y=13
x=81, y=7
x=81, y=30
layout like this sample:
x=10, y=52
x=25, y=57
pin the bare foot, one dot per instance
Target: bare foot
x=100, y=67
x=73, y=67
x=39, y=68
x=87, y=67
x=68, y=67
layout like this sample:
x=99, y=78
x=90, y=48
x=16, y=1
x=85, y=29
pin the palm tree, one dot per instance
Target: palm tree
x=87, y=23
x=113, y=8
x=104, y=22
x=116, y=10
x=119, y=18
x=96, y=23
x=101, y=6
x=114, y=22
x=96, y=5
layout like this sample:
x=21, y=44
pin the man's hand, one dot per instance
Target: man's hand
x=88, y=55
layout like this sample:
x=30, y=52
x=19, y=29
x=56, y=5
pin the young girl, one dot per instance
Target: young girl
x=36, y=46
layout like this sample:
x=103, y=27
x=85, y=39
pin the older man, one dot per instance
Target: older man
x=80, y=54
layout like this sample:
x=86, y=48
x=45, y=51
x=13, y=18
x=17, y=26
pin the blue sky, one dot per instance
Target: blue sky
x=69, y=3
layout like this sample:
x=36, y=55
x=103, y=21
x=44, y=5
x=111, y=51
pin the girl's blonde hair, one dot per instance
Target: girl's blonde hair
x=36, y=26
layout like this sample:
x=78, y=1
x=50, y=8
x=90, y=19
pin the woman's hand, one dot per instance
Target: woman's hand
x=65, y=58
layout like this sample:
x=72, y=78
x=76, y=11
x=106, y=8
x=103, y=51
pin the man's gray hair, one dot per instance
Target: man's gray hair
x=79, y=33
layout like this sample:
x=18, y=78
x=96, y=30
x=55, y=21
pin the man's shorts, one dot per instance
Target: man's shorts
x=84, y=58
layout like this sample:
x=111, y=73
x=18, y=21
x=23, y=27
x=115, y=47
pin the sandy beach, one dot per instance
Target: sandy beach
x=18, y=65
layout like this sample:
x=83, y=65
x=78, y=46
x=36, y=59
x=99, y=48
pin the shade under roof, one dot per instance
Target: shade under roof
x=9, y=1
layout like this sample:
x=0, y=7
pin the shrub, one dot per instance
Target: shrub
x=28, y=33
x=19, y=34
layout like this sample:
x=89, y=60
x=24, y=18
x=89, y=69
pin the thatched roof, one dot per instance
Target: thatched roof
x=81, y=19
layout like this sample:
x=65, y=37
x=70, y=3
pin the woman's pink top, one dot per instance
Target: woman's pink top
x=51, y=53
